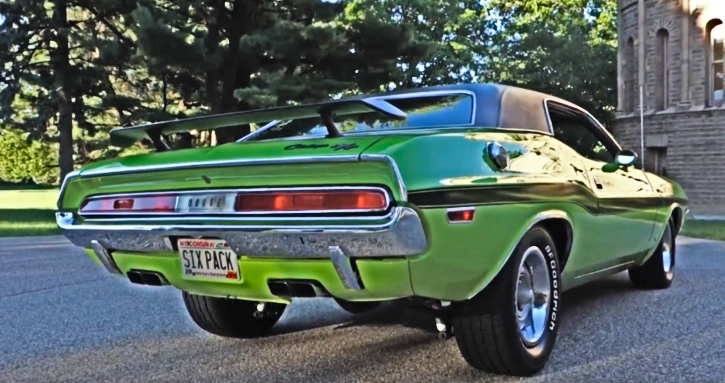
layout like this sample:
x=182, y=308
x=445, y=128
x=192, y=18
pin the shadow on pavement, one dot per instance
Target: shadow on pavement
x=403, y=313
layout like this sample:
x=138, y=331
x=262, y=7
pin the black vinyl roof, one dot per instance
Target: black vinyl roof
x=497, y=105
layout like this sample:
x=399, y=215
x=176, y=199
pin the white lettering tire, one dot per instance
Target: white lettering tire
x=510, y=327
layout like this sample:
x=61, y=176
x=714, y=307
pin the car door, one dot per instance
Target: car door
x=622, y=218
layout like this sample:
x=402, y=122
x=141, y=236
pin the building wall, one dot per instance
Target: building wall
x=695, y=156
x=685, y=137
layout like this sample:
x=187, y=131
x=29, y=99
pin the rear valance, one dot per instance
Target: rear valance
x=123, y=137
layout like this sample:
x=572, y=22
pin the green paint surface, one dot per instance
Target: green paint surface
x=545, y=183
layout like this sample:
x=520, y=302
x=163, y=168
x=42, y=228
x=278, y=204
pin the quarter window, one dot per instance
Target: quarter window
x=575, y=131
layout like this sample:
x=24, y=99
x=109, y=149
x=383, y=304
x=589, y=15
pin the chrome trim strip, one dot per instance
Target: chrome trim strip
x=221, y=163
x=462, y=208
x=229, y=210
x=402, y=235
x=604, y=270
x=548, y=117
x=105, y=257
x=240, y=218
x=579, y=109
x=266, y=161
x=342, y=265
x=164, y=223
x=396, y=170
x=261, y=129
x=69, y=177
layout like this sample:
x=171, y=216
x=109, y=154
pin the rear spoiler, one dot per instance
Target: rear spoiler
x=124, y=137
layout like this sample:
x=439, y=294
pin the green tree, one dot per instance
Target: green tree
x=73, y=69
x=68, y=75
x=244, y=54
x=457, y=31
x=567, y=48
x=26, y=160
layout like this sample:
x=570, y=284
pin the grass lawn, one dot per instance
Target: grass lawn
x=704, y=229
x=31, y=212
x=27, y=212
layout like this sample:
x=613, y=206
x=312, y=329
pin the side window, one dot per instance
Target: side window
x=575, y=132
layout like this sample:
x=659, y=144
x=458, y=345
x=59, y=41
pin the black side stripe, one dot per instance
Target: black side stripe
x=534, y=193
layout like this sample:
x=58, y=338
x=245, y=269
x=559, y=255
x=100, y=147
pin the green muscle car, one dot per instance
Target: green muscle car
x=481, y=202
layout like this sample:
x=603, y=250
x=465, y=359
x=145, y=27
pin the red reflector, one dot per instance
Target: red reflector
x=146, y=204
x=312, y=201
x=461, y=215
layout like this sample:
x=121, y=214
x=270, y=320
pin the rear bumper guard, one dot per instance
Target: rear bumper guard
x=402, y=235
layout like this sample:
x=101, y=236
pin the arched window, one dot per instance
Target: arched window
x=662, y=70
x=715, y=37
x=629, y=80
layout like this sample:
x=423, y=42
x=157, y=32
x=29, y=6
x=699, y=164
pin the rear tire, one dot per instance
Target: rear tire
x=357, y=307
x=233, y=318
x=659, y=270
x=525, y=294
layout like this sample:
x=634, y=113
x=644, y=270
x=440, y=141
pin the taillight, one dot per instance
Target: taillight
x=142, y=204
x=243, y=202
x=337, y=200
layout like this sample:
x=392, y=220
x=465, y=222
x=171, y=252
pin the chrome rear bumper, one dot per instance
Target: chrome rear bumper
x=401, y=235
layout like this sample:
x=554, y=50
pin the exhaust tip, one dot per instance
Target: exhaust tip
x=135, y=277
x=151, y=279
x=297, y=288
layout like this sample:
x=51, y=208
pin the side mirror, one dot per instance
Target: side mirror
x=625, y=158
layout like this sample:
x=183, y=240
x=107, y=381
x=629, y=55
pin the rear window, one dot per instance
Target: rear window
x=423, y=112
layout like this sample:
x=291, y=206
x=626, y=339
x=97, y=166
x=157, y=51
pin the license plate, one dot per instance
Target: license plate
x=208, y=259
x=205, y=203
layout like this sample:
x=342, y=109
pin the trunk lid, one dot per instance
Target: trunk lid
x=232, y=153
x=283, y=163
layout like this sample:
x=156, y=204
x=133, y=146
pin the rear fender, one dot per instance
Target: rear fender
x=535, y=220
x=661, y=225
x=463, y=259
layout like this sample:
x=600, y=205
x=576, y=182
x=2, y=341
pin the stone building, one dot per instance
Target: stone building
x=673, y=49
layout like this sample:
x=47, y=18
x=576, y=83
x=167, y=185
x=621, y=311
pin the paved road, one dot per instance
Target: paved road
x=63, y=319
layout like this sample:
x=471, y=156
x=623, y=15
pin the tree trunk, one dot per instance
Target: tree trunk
x=240, y=23
x=211, y=43
x=60, y=64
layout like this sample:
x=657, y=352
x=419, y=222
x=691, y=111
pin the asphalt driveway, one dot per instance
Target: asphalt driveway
x=64, y=319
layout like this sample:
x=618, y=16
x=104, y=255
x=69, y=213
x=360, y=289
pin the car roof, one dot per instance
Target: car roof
x=496, y=105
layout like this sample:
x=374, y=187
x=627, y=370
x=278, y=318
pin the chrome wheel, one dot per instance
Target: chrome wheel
x=510, y=327
x=667, y=258
x=532, y=296
x=658, y=271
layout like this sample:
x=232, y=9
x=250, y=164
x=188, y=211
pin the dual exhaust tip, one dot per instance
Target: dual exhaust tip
x=297, y=288
x=149, y=278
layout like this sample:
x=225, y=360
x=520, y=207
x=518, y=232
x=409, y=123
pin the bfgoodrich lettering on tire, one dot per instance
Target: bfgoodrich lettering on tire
x=510, y=327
